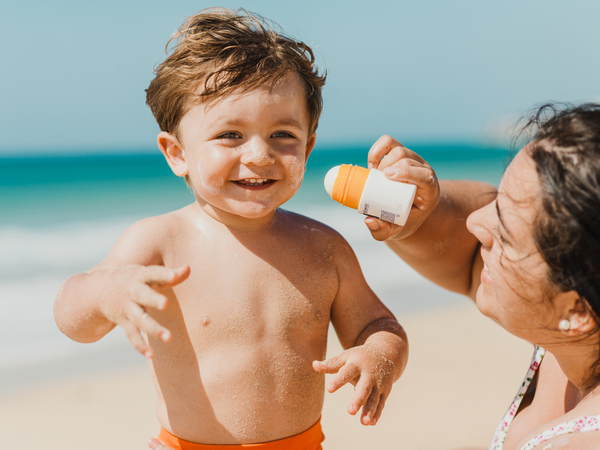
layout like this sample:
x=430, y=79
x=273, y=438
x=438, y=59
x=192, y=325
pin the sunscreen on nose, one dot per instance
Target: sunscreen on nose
x=370, y=192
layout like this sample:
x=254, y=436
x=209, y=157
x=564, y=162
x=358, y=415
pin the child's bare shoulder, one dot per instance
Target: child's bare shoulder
x=143, y=242
x=317, y=233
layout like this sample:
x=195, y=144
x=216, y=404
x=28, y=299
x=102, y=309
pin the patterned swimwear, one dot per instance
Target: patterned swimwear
x=579, y=425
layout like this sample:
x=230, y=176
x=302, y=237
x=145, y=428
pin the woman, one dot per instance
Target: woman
x=529, y=257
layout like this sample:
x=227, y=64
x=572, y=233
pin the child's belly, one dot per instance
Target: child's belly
x=240, y=393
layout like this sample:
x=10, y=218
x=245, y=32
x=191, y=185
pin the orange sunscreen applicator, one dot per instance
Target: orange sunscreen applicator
x=370, y=192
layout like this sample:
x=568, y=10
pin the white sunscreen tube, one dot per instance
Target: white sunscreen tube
x=370, y=192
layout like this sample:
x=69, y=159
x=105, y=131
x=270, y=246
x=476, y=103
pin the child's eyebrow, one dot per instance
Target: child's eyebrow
x=289, y=121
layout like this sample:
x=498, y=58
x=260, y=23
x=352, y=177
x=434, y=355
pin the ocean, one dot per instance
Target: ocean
x=60, y=214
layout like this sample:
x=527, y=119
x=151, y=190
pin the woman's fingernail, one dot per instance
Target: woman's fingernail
x=372, y=225
x=390, y=171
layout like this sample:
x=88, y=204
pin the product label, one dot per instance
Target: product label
x=385, y=199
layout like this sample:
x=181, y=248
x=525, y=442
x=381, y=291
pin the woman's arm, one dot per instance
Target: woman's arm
x=442, y=249
x=435, y=240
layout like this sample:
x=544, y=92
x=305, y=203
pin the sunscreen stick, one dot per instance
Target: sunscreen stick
x=370, y=192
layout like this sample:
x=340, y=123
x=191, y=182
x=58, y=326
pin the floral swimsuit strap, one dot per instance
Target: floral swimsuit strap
x=579, y=425
x=500, y=434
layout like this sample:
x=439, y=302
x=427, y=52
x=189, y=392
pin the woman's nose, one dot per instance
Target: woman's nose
x=478, y=224
x=258, y=153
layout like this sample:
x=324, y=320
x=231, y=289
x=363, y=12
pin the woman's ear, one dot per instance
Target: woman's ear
x=576, y=319
x=173, y=152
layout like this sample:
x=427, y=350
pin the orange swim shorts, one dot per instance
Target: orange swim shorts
x=308, y=440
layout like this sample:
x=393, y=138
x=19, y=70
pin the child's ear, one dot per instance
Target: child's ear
x=173, y=152
x=310, y=145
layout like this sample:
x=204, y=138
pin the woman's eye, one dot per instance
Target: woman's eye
x=229, y=135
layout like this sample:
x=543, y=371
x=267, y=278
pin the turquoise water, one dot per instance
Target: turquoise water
x=60, y=215
x=49, y=190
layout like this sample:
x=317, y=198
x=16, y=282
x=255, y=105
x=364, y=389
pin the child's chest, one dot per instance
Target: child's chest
x=235, y=292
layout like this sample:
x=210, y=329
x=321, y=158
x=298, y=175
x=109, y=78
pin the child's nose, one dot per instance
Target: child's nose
x=479, y=226
x=258, y=153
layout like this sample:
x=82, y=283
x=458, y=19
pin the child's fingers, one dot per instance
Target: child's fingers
x=142, y=321
x=181, y=274
x=331, y=365
x=379, y=149
x=135, y=338
x=362, y=391
x=346, y=374
x=370, y=408
x=144, y=295
x=165, y=276
x=380, y=407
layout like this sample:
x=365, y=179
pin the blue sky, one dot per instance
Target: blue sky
x=74, y=72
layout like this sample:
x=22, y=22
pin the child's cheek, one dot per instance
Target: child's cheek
x=297, y=168
x=210, y=180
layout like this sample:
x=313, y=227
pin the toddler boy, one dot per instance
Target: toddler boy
x=236, y=335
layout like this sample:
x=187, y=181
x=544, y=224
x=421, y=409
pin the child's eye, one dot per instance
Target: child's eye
x=229, y=135
x=282, y=134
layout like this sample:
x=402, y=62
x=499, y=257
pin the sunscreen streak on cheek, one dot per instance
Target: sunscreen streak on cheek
x=213, y=187
x=296, y=173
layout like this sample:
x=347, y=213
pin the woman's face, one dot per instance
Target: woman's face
x=513, y=287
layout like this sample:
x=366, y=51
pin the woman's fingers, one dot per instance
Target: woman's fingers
x=379, y=149
x=411, y=171
x=380, y=229
x=155, y=444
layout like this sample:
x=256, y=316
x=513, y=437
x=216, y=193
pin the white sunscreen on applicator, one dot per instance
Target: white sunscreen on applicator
x=370, y=192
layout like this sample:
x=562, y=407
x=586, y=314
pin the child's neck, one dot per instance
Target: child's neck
x=234, y=221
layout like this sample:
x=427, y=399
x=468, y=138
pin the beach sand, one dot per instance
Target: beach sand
x=462, y=374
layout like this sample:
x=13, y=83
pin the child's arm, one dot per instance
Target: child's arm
x=435, y=240
x=377, y=348
x=118, y=291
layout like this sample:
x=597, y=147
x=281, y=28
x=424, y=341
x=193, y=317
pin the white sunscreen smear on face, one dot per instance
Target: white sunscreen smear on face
x=211, y=189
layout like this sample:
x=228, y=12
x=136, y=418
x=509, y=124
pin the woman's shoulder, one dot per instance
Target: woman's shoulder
x=582, y=433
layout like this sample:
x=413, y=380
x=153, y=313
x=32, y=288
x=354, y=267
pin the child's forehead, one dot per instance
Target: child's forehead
x=287, y=90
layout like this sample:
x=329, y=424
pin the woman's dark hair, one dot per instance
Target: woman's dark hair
x=566, y=152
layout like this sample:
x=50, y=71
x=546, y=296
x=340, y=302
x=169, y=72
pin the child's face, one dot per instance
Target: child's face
x=245, y=154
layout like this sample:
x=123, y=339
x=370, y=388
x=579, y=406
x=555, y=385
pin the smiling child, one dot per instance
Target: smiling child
x=235, y=337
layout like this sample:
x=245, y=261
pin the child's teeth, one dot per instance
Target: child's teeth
x=255, y=181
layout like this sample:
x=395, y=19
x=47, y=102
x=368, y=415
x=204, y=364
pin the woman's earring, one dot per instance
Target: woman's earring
x=564, y=325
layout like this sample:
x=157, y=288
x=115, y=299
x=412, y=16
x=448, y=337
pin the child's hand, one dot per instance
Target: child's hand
x=402, y=164
x=132, y=289
x=371, y=373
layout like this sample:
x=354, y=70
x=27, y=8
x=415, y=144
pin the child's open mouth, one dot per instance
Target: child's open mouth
x=254, y=182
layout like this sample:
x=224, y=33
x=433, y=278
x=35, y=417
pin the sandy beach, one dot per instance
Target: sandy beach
x=462, y=374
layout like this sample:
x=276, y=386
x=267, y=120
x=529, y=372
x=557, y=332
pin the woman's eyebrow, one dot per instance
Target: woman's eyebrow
x=500, y=218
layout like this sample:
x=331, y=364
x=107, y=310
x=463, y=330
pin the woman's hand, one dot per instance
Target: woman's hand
x=401, y=164
x=155, y=444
